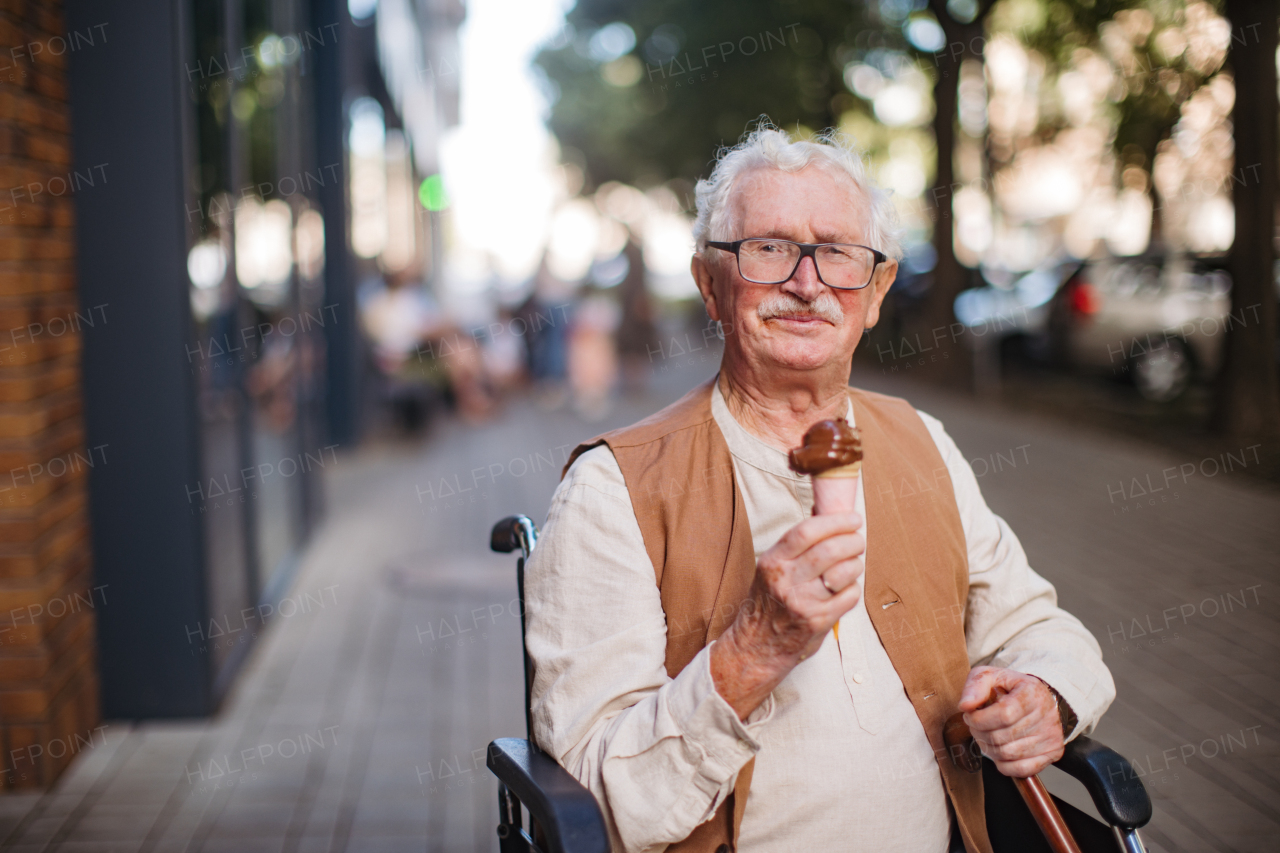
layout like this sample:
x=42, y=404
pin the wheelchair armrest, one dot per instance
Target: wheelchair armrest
x=566, y=812
x=1111, y=781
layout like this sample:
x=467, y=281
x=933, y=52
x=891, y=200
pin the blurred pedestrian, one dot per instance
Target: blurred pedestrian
x=637, y=333
x=505, y=353
x=546, y=322
x=417, y=349
x=593, y=355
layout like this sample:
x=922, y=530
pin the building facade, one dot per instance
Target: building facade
x=180, y=353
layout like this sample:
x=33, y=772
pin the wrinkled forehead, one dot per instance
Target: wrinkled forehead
x=817, y=203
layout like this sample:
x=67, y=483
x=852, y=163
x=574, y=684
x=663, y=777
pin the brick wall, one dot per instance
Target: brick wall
x=48, y=682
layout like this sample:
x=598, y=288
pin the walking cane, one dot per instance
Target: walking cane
x=966, y=756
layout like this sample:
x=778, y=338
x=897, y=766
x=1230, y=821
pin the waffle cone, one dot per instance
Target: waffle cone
x=853, y=469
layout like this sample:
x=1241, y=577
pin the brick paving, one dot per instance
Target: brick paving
x=360, y=721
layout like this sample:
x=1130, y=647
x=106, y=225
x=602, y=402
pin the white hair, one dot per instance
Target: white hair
x=769, y=147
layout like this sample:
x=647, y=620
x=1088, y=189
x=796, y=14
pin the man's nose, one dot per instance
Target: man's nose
x=804, y=283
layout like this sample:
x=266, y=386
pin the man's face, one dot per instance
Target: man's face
x=800, y=324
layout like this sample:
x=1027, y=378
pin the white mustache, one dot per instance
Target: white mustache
x=780, y=304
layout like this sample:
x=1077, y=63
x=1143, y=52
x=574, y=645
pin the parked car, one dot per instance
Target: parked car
x=1161, y=321
x=1010, y=312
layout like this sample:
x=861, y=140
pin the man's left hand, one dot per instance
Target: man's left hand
x=1021, y=731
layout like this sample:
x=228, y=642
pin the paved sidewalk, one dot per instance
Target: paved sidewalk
x=360, y=722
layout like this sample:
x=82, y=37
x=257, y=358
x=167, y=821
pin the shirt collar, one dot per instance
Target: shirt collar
x=749, y=448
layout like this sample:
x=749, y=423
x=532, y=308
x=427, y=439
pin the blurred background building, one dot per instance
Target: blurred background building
x=180, y=291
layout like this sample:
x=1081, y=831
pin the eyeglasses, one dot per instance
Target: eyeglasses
x=842, y=266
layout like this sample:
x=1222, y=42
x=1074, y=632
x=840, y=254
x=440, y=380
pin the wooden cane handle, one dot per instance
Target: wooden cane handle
x=965, y=755
x=1046, y=814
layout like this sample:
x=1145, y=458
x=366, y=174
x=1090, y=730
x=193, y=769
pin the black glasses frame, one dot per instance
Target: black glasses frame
x=807, y=250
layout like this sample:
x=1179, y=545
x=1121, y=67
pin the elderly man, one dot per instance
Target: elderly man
x=725, y=670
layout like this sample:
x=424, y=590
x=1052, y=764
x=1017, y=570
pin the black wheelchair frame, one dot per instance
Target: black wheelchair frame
x=565, y=818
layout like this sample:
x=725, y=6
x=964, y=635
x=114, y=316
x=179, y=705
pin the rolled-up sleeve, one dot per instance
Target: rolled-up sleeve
x=1013, y=619
x=659, y=754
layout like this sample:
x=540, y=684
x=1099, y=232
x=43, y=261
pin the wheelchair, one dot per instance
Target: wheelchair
x=565, y=818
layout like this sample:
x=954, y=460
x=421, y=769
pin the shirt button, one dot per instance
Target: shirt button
x=858, y=678
x=746, y=747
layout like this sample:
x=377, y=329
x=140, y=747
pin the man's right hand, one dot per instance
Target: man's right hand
x=791, y=609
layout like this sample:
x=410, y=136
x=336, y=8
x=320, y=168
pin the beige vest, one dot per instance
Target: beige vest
x=679, y=473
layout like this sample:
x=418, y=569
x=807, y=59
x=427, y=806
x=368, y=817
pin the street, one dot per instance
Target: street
x=360, y=722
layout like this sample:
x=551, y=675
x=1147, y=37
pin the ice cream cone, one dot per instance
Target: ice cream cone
x=836, y=491
x=832, y=456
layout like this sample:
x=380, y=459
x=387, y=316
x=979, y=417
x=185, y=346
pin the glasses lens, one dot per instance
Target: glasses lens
x=767, y=261
x=844, y=265
x=841, y=265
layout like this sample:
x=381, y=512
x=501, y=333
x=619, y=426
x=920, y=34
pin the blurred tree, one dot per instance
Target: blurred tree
x=962, y=24
x=1155, y=78
x=1055, y=29
x=1156, y=71
x=1247, y=401
x=1159, y=72
x=653, y=100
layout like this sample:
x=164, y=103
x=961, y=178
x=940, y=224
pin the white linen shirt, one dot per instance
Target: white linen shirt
x=842, y=761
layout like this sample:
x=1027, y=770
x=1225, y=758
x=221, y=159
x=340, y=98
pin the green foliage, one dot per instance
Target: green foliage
x=665, y=114
x=1152, y=88
x=735, y=61
x=1057, y=27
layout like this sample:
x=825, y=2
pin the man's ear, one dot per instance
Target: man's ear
x=704, y=277
x=880, y=284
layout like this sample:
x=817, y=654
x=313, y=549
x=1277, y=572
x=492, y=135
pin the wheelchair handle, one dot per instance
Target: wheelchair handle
x=514, y=531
